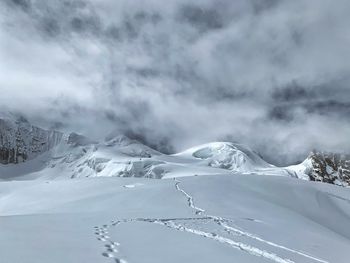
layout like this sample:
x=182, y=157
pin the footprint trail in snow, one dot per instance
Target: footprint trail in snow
x=110, y=246
x=201, y=218
x=230, y=229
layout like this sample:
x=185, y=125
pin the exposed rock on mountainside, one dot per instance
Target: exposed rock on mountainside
x=20, y=141
x=330, y=168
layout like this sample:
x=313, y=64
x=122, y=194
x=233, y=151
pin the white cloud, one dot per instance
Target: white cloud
x=268, y=73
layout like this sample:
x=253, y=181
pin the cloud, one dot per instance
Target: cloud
x=272, y=74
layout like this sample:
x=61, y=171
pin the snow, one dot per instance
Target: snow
x=52, y=154
x=241, y=218
x=226, y=155
x=87, y=201
x=76, y=156
x=301, y=170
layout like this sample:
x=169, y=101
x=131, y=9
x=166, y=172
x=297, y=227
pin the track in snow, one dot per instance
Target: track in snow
x=111, y=250
x=110, y=246
x=198, y=211
x=223, y=223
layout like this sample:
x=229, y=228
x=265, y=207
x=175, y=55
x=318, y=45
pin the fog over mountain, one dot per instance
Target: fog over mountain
x=271, y=74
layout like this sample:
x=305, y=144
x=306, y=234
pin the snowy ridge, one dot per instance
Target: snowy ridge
x=77, y=156
x=54, y=154
x=226, y=155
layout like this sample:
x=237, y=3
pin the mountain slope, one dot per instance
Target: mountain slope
x=226, y=155
x=21, y=141
x=234, y=211
x=51, y=154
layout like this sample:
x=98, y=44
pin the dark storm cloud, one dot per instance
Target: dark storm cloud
x=272, y=74
x=202, y=18
x=330, y=108
x=24, y=4
x=260, y=6
x=329, y=99
x=162, y=144
x=292, y=92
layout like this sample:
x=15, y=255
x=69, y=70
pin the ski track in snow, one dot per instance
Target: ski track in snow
x=111, y=250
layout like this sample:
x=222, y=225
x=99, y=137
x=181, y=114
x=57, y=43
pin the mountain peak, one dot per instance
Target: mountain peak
x=119, y=155
x=227, y=155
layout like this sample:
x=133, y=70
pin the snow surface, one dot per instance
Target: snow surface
x=84, y=201
x=301, y=170
x=240, y=218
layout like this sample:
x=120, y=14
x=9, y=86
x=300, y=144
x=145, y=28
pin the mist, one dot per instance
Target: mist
x=267, y=73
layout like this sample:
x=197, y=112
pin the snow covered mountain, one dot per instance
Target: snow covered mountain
x=52, y=154
x=112, y=212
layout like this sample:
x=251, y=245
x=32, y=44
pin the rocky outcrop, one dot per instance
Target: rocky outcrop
x=21, y=141
x=330, y=168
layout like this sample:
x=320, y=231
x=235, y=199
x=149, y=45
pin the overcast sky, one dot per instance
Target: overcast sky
x=271, y=74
